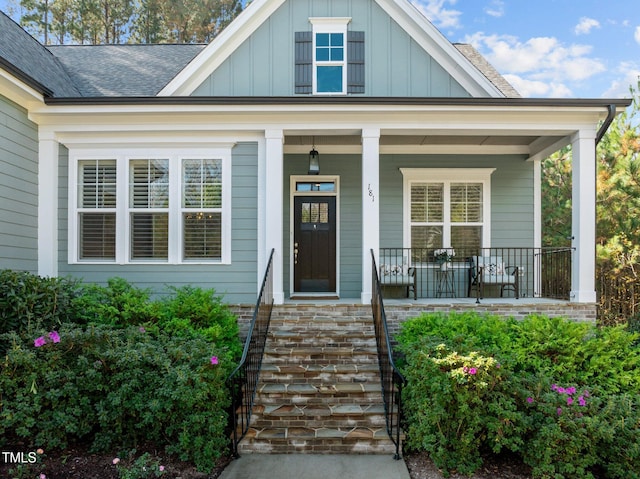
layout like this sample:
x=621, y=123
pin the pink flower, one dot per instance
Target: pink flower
x=40, y=451
x=582, y=401
x=42, y=476
x=142, y=330
x=569, y=400
x=39, y=342
x=161, y=468
x=214, y=360
x=472, y=371
x=116, y=460
x=465, y=369
x=54, y=336
x=561, y=390
x=554, y=387
x=529, y=400
x=559, y=411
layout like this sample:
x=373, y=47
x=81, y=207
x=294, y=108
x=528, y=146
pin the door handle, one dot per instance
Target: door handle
x=295, y=253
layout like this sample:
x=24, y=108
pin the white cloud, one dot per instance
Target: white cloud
x=533, y=88
x=495, y=8
x=585, y=26
x=629, y=75
x=637, y=34
x=438, y=13
x=540, y=66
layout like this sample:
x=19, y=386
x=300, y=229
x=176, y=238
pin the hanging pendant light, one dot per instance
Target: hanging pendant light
x=314, y=159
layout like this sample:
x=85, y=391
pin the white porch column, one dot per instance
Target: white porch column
x=370, y=206
x=273, y=207
x=583, y=225
x=47, y=204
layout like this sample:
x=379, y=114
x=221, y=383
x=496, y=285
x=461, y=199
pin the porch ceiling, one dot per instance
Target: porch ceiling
x=438, y=143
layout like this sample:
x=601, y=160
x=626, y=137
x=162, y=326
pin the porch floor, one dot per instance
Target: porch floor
x=429, y=301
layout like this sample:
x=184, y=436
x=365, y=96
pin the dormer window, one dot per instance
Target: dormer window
x=329, y=55
x=330, y=58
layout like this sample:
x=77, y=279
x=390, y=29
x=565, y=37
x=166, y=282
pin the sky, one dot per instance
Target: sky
x=549, y=48
x=546, y=48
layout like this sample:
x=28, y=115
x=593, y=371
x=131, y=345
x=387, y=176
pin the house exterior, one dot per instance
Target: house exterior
x=188, y=164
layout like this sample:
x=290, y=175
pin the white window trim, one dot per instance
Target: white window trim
x=175, y=157
x=447, y=176
x=329, y=25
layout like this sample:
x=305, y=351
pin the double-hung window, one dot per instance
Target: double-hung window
x=330, y=55
x=447, y=208
x=149, y=209
x=96, y=207
x=166, y=208
x=202, y=209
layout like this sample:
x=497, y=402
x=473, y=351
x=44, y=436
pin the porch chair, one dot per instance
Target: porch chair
x=394, y=273
x=491, y=270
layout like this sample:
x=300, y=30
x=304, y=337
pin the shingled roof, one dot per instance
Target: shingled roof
x=123, y=70
x=487, y=70
x=77, y=71
x=27, y=59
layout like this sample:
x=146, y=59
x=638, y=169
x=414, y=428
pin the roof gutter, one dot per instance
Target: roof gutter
x=22, y=76
x=350, y=100
x=607, y=122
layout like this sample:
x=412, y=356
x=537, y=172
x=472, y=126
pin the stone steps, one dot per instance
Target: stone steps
x=319, y=390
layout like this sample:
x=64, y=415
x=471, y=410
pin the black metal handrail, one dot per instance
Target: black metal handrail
x=392, y=380
x=424, y=273
x=243, y=381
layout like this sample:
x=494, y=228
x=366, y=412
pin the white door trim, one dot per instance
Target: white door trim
x=294, y=179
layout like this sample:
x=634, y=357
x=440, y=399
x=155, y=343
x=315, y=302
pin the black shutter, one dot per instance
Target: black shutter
x=304, y=62
x=355, y=62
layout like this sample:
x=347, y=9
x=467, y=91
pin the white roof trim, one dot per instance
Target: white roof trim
x=207, y=61
x=403, y=12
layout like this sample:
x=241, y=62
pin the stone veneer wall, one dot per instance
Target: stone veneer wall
x=398, y=313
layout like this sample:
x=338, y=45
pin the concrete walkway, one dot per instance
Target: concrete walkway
x=311, y=466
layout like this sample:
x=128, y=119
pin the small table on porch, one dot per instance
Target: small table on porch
x=445, y=283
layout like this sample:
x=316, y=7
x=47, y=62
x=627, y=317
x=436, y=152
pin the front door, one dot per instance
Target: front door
x=314, y=247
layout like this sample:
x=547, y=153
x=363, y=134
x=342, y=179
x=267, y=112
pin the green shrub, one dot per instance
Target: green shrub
x=114, y=389
x=458, y=405
x=461, y=331
x=197, y=312
x=30, y=300
x=619, y=448
x=118, y=304
x=144, y=467
x=565, y=396
x=564, y=432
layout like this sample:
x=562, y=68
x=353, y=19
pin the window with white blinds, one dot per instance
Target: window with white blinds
x=202, y=209
x=447, y=208
x=96, y=190
x=446, y=215
x=170, y=210
x=149, y=209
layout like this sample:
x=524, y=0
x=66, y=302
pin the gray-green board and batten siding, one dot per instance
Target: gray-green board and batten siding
x=18, y=188
x=264, y=64
x=236, y=281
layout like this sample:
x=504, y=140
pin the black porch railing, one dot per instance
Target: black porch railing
x=508, y=272
x=242, y=382
x=392, y=380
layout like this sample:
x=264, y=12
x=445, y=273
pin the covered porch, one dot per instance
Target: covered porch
x=377, y=171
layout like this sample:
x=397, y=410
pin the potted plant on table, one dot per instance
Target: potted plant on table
x=444, y=256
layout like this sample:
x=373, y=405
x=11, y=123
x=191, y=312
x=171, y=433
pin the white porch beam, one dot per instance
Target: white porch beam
x=274, y=165
x=583, y=225
x=47, y=204
x=370, y=205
